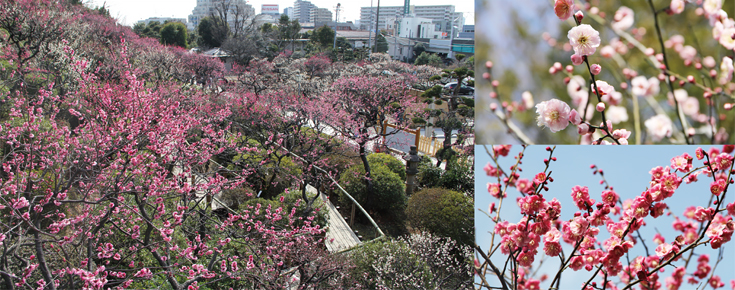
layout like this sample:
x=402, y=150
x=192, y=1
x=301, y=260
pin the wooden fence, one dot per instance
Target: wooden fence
x=426, y=145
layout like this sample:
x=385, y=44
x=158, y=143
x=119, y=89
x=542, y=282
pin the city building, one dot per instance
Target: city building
x=468, y=31
x=417, y=27
x=289, y=12
x=204, y=8
x=442, y=16
x=302, y=11
x=320, y=16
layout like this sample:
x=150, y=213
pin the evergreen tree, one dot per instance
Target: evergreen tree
x=324, y=36
x=212, y=34
x=431, y=59
x=174, y=33
x=382, y=44
x=152, y=29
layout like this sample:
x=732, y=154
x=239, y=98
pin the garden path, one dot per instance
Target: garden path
x=339, y=234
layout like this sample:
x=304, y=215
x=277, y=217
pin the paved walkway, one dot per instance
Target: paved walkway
x=339, y=234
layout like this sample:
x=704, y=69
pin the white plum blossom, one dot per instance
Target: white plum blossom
x=553, y=114
x=577, y=90
x=726, y=69
x=680, y=95
x=712, y=6
x=527, y=98
x=645, y=87
x=617, y=114
x=690, y=106
x=623, y=18
x=726, y=38
x=658, y=127
x=584, y=39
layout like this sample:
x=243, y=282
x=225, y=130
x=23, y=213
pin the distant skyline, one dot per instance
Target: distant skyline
x=128, y=12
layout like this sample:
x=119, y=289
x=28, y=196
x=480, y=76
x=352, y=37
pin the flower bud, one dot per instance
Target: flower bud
x=577, y=59
x=600, y=107
x=579, y=16
x=595, y=69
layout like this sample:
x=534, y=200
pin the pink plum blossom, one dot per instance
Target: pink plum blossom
x=613, y=98
x=709, y=61
x=584, y=39
x=607, y=51
x=600, y=107
x=595, y=69
x=553, y=114
x=583, y=128
x=682, y=162
x=577, y=59
x=564, y=8
x=574, y=117
x=603, y=88
x=688, y=53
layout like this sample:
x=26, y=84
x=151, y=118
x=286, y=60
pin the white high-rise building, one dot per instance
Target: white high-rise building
x=288, y=11
x=206, y=8
x=302, y=11
x=320, y=16
x=441, y=15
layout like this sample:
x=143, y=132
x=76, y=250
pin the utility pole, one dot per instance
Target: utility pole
x=395, y=35
x=336, y=20
x=370, y=31
x=377, y=20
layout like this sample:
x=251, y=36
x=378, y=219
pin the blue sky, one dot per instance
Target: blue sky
x=626, y=169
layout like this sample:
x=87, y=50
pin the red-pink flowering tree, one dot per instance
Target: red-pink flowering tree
x=120, y=198
x=361, y=105
x=113, y=202
x=606, y=231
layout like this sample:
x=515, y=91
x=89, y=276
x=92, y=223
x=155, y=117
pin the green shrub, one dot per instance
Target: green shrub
x=389, y=191
x=264, y=203
x=318, y=208
x=272, y=177
x=234, y=197
x=458, y=176
x=429, y=175
x=443, y=212
x=388, y=160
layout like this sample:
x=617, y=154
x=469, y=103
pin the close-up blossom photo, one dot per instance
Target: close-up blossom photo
x=604, y=218
x=605, y=72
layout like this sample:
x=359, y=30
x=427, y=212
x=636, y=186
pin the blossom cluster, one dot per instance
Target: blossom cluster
x=597, y=105
x=540, y=228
